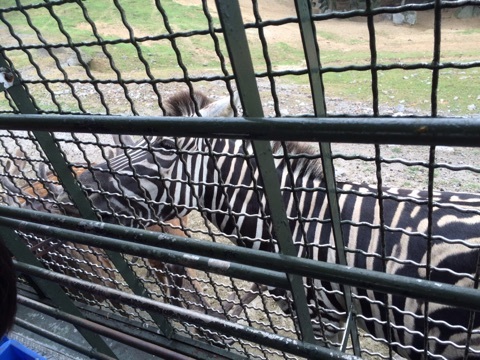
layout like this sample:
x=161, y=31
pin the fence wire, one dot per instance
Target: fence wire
x=404, y=217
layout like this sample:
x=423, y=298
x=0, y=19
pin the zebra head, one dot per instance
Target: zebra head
x=182, y=104
x=118, y=195
x=185, y=104
x=171, y=154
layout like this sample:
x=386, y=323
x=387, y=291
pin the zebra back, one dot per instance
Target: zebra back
x=220, y=178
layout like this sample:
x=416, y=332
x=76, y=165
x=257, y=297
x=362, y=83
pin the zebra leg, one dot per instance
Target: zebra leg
x=182, y=288
x=233, y=309
x=177, y=277
x=161, y=270
x=86, y=263
x=183, y=278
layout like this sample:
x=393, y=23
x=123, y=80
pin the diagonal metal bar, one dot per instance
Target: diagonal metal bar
x=22, y=253
x=239, y=52
x=54, y=155
x=312, y=56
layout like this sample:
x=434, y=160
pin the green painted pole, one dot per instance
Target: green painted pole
x=56, y=158
x=238, y=49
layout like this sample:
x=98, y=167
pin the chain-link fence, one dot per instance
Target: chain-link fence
x=324, y=203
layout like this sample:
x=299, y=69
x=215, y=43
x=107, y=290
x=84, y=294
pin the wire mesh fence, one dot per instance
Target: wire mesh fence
x=355, y=221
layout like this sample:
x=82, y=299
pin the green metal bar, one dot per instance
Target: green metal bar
x=55, y=292
x=53, y=153
x=55, y=156
x=467, y=298
x=92, y=354
x=312, y=56
x=237, y=45
x=225, y=268
x=362, y=130
x=103, y=330
x=228, y=328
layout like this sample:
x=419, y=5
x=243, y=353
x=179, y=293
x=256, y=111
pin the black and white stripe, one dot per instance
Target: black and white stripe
x=124, y=188
x=225, y=188
x=221, y=179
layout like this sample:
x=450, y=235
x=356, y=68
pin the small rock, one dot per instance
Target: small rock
x=410, y=17
x=465, y=12
x=407, y=17
x=471, y=107
x=398, y=19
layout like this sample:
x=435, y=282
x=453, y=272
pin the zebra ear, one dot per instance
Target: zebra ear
x=6, y=78
x=7, y=183
x=222, y=107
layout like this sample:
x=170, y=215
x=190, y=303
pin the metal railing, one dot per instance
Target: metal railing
x=103, y=277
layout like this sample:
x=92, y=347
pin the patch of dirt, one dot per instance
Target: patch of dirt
x=115, y=31
x=354, y=32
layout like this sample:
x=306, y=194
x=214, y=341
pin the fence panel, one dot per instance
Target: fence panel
x=179, y=182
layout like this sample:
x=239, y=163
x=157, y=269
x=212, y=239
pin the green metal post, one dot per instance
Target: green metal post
x=239, y=52
x=22, y=253
x=312, y=55
x=54, y=155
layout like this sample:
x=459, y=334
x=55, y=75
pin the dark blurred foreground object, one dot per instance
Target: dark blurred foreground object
x=8, y=290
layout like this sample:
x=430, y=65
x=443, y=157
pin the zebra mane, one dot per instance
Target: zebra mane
x=308, y=164
x=182, y=104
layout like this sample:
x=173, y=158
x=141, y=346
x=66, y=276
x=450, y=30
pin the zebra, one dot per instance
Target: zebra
x=225, y=188
x=220, y=178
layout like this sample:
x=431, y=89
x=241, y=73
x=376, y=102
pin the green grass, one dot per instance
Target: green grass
x=144, y=19
x=458, y=89
x=397, y=150
x=471, y=186
x=326, y=35
x=469, y=31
